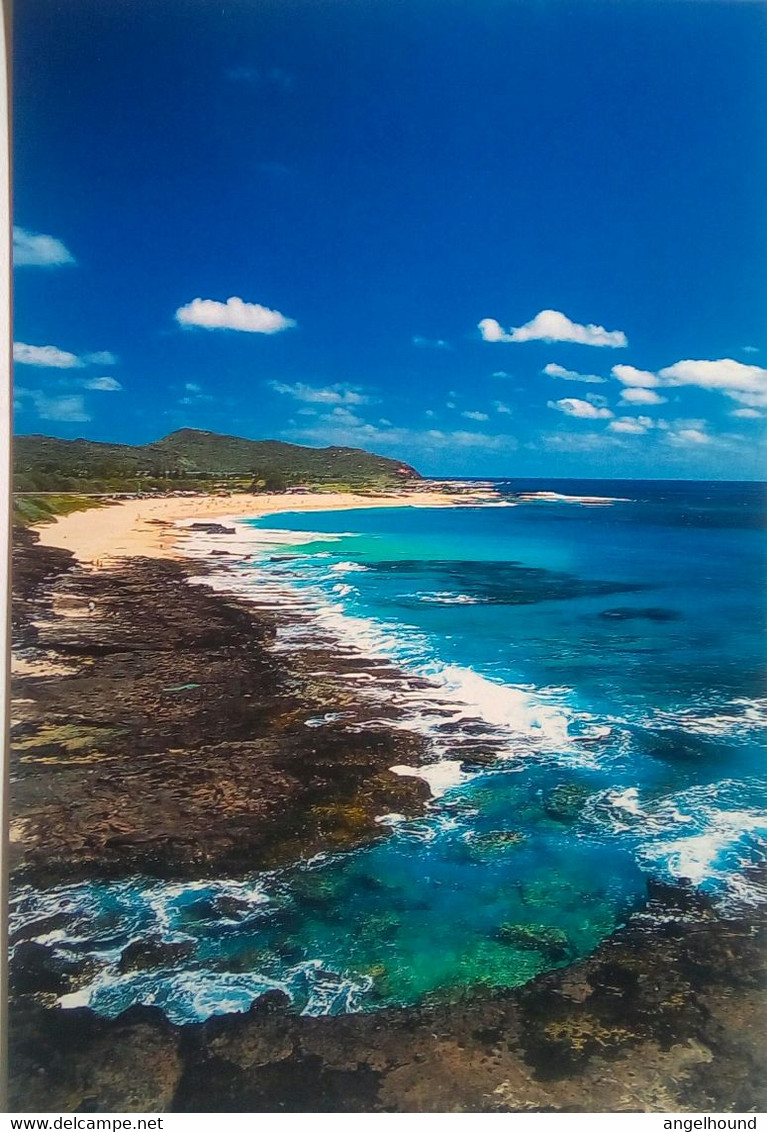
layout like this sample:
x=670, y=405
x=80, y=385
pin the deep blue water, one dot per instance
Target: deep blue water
x=613, y=659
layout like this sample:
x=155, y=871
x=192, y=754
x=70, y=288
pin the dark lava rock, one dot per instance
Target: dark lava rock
x=211, y=528
x=146, y=954
x=271, y=1002
x=35, y=968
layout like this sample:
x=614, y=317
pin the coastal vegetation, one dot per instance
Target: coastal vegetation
x=196, y=460
x=30, y=509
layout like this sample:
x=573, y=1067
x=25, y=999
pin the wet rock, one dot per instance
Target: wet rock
x=271, y=1002
x=566, y=801
x=153, y=951
x=549, y=941
x=497, y=839
x=211, y=528
x=37, y=969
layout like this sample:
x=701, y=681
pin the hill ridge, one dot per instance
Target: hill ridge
x=48, y=463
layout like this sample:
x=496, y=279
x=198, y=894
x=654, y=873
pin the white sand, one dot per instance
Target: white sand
x=146, y=527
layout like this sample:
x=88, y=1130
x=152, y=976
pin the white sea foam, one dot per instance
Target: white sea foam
x=693, y=835
x=453, y=706
x=348, y=568
x=440, y=777
x=440, y=597
x=555, y=497
x=737, y=717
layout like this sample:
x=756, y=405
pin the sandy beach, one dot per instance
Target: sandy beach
x=146, y=527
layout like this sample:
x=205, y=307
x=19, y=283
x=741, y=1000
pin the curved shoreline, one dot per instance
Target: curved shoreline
x=147, y=527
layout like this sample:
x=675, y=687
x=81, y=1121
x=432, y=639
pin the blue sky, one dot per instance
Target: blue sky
x=488, y=237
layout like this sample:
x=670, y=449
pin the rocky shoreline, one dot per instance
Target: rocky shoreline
x=156, y=731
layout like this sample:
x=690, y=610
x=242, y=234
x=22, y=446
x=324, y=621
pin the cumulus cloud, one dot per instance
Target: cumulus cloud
x=501, y=407
x=554, y=370
x=574, y=407
x=69, y=408
x=48, y=356
x=639, y=396
x=104, y=384
x=689, y=436
x=552, y=326
x=338, y=394
x=501, y=373
x=633, y=426
x=744, y=383
x=725, y=374
x=473, y=415
x=640, y=378
x=234, y=314
x=33, y=249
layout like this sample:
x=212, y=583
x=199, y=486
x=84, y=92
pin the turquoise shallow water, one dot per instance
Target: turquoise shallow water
x=611, y=656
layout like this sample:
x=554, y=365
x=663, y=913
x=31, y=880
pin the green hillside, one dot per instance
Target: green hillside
x=192, y=458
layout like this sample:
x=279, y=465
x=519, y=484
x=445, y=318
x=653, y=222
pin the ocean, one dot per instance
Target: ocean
x=590, y=679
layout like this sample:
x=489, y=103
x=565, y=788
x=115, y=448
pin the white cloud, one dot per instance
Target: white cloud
x=724, y=374
x=431, y=343
x=753, y=400
x=67, y=408
x=33, y=249
x=580, y=441
x=342, y=427
x=473, y=415
x=192, y=387
x=100, y=358
x=640, y=378
x=554, y=370
x=52, y=357
x=104, y=384
x=750, y=349
x=501, y=407
x=639, y=396
x=744, y=383
x=574, y=407
x=747, y=414
x=689, y=436
x=552, y=326
x=338, y=394
x=634, y=426
x=501, y=373
x=234, y=314
x=49, y=356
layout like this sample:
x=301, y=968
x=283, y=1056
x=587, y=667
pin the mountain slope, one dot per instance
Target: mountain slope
x=46, y=463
